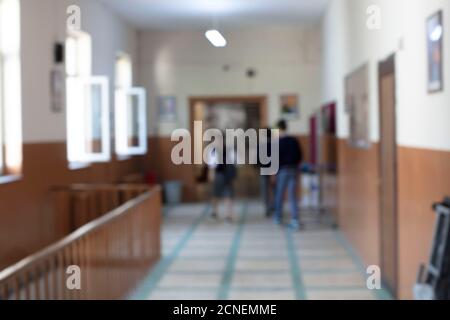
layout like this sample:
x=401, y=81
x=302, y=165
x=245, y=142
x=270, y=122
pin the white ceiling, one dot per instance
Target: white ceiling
x=198, y=14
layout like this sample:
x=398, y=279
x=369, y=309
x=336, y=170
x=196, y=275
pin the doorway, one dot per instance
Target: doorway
x=388, y=174
x=228, y=113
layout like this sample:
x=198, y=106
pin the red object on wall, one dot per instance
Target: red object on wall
x=329, y=118
x=150, y=178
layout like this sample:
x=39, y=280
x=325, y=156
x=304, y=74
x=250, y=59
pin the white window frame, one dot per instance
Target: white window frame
x=79, y=121
x=124, y=90
x=122, y=121
x=10, y=92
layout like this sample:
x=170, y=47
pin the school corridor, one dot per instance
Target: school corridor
x=111, y=114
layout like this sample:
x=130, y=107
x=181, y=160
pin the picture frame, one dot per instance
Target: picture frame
x=167, y=108
x=357, y=106
x=289, y=106
x=435, y=35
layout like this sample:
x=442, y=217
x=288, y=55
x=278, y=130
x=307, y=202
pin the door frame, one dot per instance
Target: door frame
x=387, y=67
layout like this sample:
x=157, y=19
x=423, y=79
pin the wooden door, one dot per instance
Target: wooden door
x=388, y=175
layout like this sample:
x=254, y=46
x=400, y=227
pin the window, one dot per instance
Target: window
x=10, y=91
x=88, y=136
x=124, y=71
x=130, y=111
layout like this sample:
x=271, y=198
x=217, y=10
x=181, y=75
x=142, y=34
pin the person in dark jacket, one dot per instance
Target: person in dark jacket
x=290, y=158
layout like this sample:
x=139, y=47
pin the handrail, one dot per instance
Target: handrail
x=139, y=208
x=90, y=187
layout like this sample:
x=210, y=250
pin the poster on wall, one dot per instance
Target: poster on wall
x=357, y=104
x=435, y=31
x=289, y=105
x=167, y=108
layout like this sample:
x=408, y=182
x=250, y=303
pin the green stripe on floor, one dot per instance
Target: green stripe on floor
x=150, y=283
x=297, y=281
x=381, y=294
x=227, y=277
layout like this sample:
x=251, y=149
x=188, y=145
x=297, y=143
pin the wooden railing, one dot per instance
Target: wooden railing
x=113, y=253
x=78, y=204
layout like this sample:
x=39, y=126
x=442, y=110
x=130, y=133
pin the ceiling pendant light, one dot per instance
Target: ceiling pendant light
x=216, y=38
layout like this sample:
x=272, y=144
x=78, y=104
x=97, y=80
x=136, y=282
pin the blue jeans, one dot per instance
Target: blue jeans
x=287, y=178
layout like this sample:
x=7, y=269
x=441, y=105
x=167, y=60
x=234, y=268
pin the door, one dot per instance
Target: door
x=229, y=113
x=388, y=175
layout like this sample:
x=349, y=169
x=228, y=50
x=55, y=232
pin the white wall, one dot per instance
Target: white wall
x=422, y=118
x=184, y=64
x=334, y=60
x=43, y=22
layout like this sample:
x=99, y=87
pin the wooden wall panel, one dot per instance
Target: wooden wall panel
x=423, y=178
x=304, y=142
x=358, y=199
x=328, y=161
x=26, y=215
x=159, y=162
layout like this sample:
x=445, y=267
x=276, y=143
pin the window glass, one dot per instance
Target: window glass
x=130, y=115
x=130, y=112
x=124, y=71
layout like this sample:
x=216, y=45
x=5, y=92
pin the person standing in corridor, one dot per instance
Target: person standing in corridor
x=224, y=163
x=291, y=156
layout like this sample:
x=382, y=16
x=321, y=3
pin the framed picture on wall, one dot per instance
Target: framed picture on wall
x=289, y=106
x=167, y=108
x=435, y=31
x=357, y=96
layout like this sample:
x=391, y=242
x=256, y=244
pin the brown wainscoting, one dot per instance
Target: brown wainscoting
x=159, y=161
x=26, y=214
x=328, y=161
x=358, y=199
x=304, y=142
x=423, y=178
x=328, y=146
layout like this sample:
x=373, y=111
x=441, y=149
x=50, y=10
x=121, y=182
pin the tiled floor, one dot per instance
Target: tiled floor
x=252, y=259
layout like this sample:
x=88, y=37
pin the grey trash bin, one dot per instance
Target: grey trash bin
x=172, y=191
